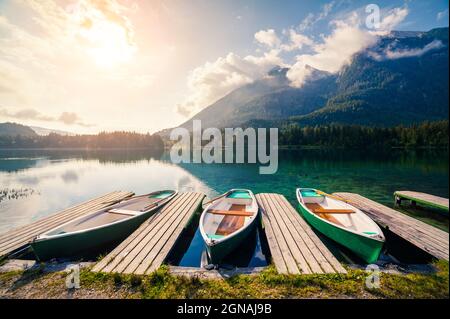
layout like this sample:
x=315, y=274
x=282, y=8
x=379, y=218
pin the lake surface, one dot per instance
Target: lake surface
x=34, y=184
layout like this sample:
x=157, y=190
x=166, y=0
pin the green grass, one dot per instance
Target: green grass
x=267, y=284
x=270, y=284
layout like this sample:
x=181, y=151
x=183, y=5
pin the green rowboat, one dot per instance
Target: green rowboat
x=95, y=231
x=227, y=221
x=342, y=222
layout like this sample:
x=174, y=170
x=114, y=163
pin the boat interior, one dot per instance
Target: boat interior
x=337, y=212
x=229, y=214
x=123, y=210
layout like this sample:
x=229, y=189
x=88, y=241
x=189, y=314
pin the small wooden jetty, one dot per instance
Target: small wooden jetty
x=421, y=198
x=19, y=239
x=146, y=249
x=295, y=248
x=426, y=237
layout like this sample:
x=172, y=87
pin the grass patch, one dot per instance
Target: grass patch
x=267, y=284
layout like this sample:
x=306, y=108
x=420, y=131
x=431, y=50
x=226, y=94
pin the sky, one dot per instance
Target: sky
x=86, y=66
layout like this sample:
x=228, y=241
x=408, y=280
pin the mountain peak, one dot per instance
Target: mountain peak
x=278, y=71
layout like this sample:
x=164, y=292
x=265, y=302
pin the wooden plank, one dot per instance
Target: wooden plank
x=146, y=253
x=423, y=198
x=275, y=250
x=145, y=249
x=112, y=259
x=16, y=241
x=430, y=238
x=23, y=237
x=288, y=227
x=26, y=228
x=169, y=243
x=289, y=260
x=297, y=250
x=319, y=251
x=424, y=236
x=299, y=245
x=403, y=224
x=15, y=238
x=20, y=237
x=129, y=250
x=63, y=215
x=314, y=257
x=314, y=243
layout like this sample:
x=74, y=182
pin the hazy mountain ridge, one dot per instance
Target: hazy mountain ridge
x=14, y=129
x=401, y=80
x=46, y=131
x=391, y=91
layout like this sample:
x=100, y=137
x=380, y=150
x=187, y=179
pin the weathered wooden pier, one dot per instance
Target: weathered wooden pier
x=294, y=247
x=18, y=239
x=421, y=198
x=146, y=249
x=426, y=237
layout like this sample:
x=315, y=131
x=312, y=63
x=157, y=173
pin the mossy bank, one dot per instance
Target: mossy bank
x=267, y=284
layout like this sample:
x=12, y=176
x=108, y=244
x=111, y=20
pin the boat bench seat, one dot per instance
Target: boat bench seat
x=124, y=212
x=230, y=212
x=317, y=209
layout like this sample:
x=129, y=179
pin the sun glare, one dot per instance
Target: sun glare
x=110, y=45
x=107, y=42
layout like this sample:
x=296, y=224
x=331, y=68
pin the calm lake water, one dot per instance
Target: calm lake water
x=34, y=184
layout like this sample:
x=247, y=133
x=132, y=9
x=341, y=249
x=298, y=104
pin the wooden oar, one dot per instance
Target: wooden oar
x=335, y=197
x=149, y=206
x=214, y=199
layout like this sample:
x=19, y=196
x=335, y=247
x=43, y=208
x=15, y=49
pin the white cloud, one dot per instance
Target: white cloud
x=68, y=118
x=442, y=15
x=296, y=41
x=267, y=37
x=312, y=19
x=338, y=49
x=334, y=52
x=393, y=54
x=212, y=81
x=307, y=22
x=393, y=18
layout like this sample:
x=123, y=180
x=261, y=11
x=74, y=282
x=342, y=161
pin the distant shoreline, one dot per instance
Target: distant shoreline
x=280, y=147
x=76, y=149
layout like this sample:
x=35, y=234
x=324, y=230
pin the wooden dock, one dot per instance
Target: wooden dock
x=295, y=248
x=146, y=249
x=428, y=238
x=19, y=238
x=421, y=198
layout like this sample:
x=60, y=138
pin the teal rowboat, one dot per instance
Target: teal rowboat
x=95, y=231
x=227, y=221
x=342, y=222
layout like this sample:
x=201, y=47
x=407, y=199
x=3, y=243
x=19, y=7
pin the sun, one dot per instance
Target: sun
x=107, y=40
x=109, y=45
